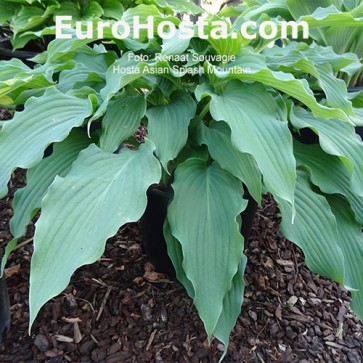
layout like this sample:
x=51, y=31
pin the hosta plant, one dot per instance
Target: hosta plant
x=214, y=129
x=25, y=20
x=335, y=23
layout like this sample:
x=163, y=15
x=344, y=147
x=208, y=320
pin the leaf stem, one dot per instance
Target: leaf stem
x=204, y=111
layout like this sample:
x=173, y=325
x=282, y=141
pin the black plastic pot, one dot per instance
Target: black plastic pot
x=4, y=308
x=152, y=222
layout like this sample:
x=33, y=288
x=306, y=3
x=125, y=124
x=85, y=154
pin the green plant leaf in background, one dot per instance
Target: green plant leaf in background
x=168, y=125
x=82, y=210
x=202, y=217
x=44, y=120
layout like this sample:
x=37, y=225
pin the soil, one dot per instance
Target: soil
x=118, y=310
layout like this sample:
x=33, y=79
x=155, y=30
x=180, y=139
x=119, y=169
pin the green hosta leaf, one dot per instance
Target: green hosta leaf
x=331, y=16
x=231, y=307
x=329, y=174
x=121, y=120
x=317, y=62
x=252, y=67
x=336, y=138
x=232, y=301
x=27, y=200
x=202, y=217
x=77, y=77
x=289, y=56
x=301, y=8
x=175, y=253
x=122, y=72
x=96, y=193
x=71, y=8
x=8, y=10
x=180, y=6
x=242, y=166
x=351, y=4
x=175, y=45
x=250, y=111
x=228, y=44
x=112, y=9
x=345, y=39
x=351, y=242
x=10, y=247
x=29, y=18
x=273, y=10
x=91, y=9
x=314, y=230
x=168, y=125
x=44, y=120
x=15, y=76
x=144, y=11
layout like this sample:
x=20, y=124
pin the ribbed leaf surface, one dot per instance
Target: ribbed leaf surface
x=202, y=217
x=250, y=111
x=314, y=230
x=82, y=210
x=168, y=125
x=121, y=120
x=44, y=120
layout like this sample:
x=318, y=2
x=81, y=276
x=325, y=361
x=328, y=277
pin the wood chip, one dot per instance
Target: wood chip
x=77, y=333
x=285, y=263
x=104, y=301
x=304, y=319
x=335, y=345
x=63, y=338
x=71, y=320
x=151, y=339
x=11, y=271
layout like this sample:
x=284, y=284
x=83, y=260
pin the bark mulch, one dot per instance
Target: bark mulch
x=118, y=310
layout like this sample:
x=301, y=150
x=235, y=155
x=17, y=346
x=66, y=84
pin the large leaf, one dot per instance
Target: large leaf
x=232, y=301
x=16, y=76
x=8, y=9
x=46, y=119
x=243, y=166
x=202, y=217
x=301, y=8
x=338, y=138
x=27, y=200
x=329, y=174
x=168, y=125
x=122, y=72
x=252, y=67
x=314, y=230
x=351, y=241
x=112, y=9
x=321, y=63
x=121, y=121
x=231, y=307
x=250, y=111
x=101, y=192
